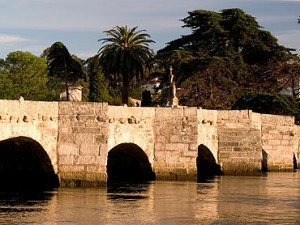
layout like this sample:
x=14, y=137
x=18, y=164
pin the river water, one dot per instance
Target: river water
x=271, y=199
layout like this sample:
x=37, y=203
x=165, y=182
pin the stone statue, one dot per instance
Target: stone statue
x=172, y=99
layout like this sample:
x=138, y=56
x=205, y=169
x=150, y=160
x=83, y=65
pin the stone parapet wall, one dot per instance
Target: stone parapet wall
x=78, y=136
x=37, y=120
x=82, y=143
x=279, y=141
x=239, y=143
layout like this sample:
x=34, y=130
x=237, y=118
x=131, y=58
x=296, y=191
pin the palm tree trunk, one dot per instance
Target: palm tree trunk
x=125, y=89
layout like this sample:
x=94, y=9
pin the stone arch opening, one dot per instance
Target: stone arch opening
x=127, y=162
x=25, y=165
x=207, y=166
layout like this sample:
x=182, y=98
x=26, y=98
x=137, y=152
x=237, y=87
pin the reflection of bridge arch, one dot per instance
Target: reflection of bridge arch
x=206, y=163
x=24, y=164
x=128, y=162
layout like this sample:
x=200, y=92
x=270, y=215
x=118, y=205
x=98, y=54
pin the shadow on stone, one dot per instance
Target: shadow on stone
x=207, y=167
x=264, y=162
x=295, y=164
x=128, y=162
x=25, y=165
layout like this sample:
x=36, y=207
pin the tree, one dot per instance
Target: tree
x=23, y=74
x=63, y=66
x=125, y=56
x=98, y=86
x=226, y=34
x=212, y=87
x=267, y=103
x=225, y=53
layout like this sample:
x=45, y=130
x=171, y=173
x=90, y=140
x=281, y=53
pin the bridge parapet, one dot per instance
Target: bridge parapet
x=37, y=120
x=77, y=136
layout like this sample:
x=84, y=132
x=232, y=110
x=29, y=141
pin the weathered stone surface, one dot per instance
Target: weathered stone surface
x=77, y=136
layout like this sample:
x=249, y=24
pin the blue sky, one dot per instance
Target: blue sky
x=34, y=25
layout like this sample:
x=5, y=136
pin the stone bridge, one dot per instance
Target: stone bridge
x=89, y=143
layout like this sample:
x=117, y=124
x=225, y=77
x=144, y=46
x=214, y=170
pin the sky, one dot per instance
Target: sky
x=34, y=25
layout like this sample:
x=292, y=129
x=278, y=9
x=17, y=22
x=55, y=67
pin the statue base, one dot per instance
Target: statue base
x=173, y=102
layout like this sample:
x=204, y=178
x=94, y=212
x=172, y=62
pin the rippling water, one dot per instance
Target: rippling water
x=273, y=199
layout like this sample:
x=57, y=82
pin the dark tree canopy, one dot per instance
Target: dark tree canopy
x=98, y=86
x=62, y=65
x=227, y=33
x=267, y=103
x=226, y=53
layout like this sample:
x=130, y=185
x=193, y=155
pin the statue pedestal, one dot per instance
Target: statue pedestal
x=173, y=102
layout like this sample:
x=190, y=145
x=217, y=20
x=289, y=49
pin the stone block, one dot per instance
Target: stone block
x=159, y=147
x=103, y=150
x=89, y=150
x=65, y=160
x=68, y=149
x=101, y=139
x=84, y=138
x=85, y=160
x=71, y=168
x=175, y=139
x=95, y=169
x=189, y=138
x=193, y=147
x=168, y=113
x=189, y=153
x=100, y=107
x=273, y=142
x=179, y=147
x=87, y=130
x=66, y=138
x=160, y=157
x=286, y=142
x=190, y=112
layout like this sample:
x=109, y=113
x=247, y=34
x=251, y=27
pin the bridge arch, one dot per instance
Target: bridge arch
x=128, y=162
x=24, y=164
x=206, y=164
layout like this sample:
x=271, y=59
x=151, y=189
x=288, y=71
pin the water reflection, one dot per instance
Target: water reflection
x=272, y=199
x=25, y=198
x=128, y=191
x=18, y=205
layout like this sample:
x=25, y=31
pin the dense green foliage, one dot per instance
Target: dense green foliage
x=125, y=55
x=23, y=74
x=267, y=103
x=98, y=86
x=226, y=53
x=62, y=65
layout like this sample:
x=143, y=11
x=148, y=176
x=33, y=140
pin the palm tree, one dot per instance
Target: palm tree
x=125, y=56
